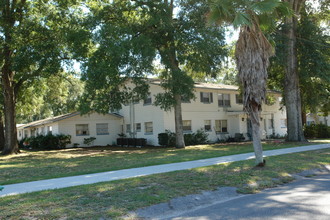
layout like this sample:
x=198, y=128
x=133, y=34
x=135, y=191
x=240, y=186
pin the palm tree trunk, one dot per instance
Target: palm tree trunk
x=257, y=146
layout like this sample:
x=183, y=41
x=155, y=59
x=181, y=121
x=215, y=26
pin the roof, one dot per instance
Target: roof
x=57, y=118
x=215, y=86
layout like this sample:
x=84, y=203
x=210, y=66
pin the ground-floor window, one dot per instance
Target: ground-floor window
x=138, y=127
x=49, y=129
x=221, y=126
x=128, y=128
x=102, y=128
x=207, y=125
x=186, y=125
x=82, y=129
x=148, y=127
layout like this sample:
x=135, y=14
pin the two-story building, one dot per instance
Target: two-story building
x=217, y=109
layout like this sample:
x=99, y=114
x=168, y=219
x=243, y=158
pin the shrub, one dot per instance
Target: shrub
x=89, y=141
x=46, y=142
x=317, y=131
x=168, y=138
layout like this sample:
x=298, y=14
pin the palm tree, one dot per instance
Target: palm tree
x=252, y=53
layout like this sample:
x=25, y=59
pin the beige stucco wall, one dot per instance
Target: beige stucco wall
x=197, y=112
x=68, y=126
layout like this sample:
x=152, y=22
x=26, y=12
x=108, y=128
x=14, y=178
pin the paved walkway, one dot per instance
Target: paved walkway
x=19, y=188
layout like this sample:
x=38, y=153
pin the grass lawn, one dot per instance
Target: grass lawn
x=37, y=165
x=114, y=199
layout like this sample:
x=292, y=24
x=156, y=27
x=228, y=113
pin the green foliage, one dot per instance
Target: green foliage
x=89, y=141
x=317, y=131
x=245, y=13
x=129, y=37
x=46, y=142
x=168, y=138
x=313, y=60
x=42, y=99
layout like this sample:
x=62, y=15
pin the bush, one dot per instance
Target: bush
x=46, y=142
x=168, y=138
x=317, y=131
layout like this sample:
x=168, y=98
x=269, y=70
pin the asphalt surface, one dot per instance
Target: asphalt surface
x=307, y=198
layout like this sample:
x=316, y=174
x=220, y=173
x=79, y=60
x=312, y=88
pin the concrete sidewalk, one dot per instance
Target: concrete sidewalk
x=19, y=188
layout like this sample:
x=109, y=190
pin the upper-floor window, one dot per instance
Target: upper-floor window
x=102, y=129
x=206, y=97
x=82, y=129
x=186, y=125
x=221, y=126
x=148, y=100
x=207, y=125
x=224, y=100
x=239, y=99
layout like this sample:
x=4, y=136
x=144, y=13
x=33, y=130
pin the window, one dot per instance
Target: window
x=148, y=128
x=128, y=128
x=20, y=133
x=224, y=100
x=270, y=124
x=239, y=99
x=147, y=101
x=49, y=129
x=26, y=134
x=138, y=127
x=82, y=129
x=207, y=125
x=186, y=125
x=221, y=126
x=206, y=97
x=102, y=129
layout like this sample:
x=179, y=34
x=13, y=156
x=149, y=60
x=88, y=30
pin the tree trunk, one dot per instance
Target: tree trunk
x=255, y=121
x=7, y=78
x=179, y=140
x=2, y=134
x=292, y=90
x=11, y=145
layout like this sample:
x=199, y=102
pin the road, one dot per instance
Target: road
x=308, y=198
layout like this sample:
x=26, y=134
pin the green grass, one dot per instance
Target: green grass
x=117, y=198
x=37, y=165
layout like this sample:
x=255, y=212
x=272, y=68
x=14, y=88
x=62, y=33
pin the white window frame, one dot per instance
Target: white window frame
x=148, y=127
x=186, y=125
x=83, y=131
x=207, y=125
x=221, y=126
x=138, y=128
x=147, y=100
x=223, y=101
x=206, y=97
x=102, y=128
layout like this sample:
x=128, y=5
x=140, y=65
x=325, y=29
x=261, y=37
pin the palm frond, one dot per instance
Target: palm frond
x=266, y=6
x=242, y=19
x=221, y=11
